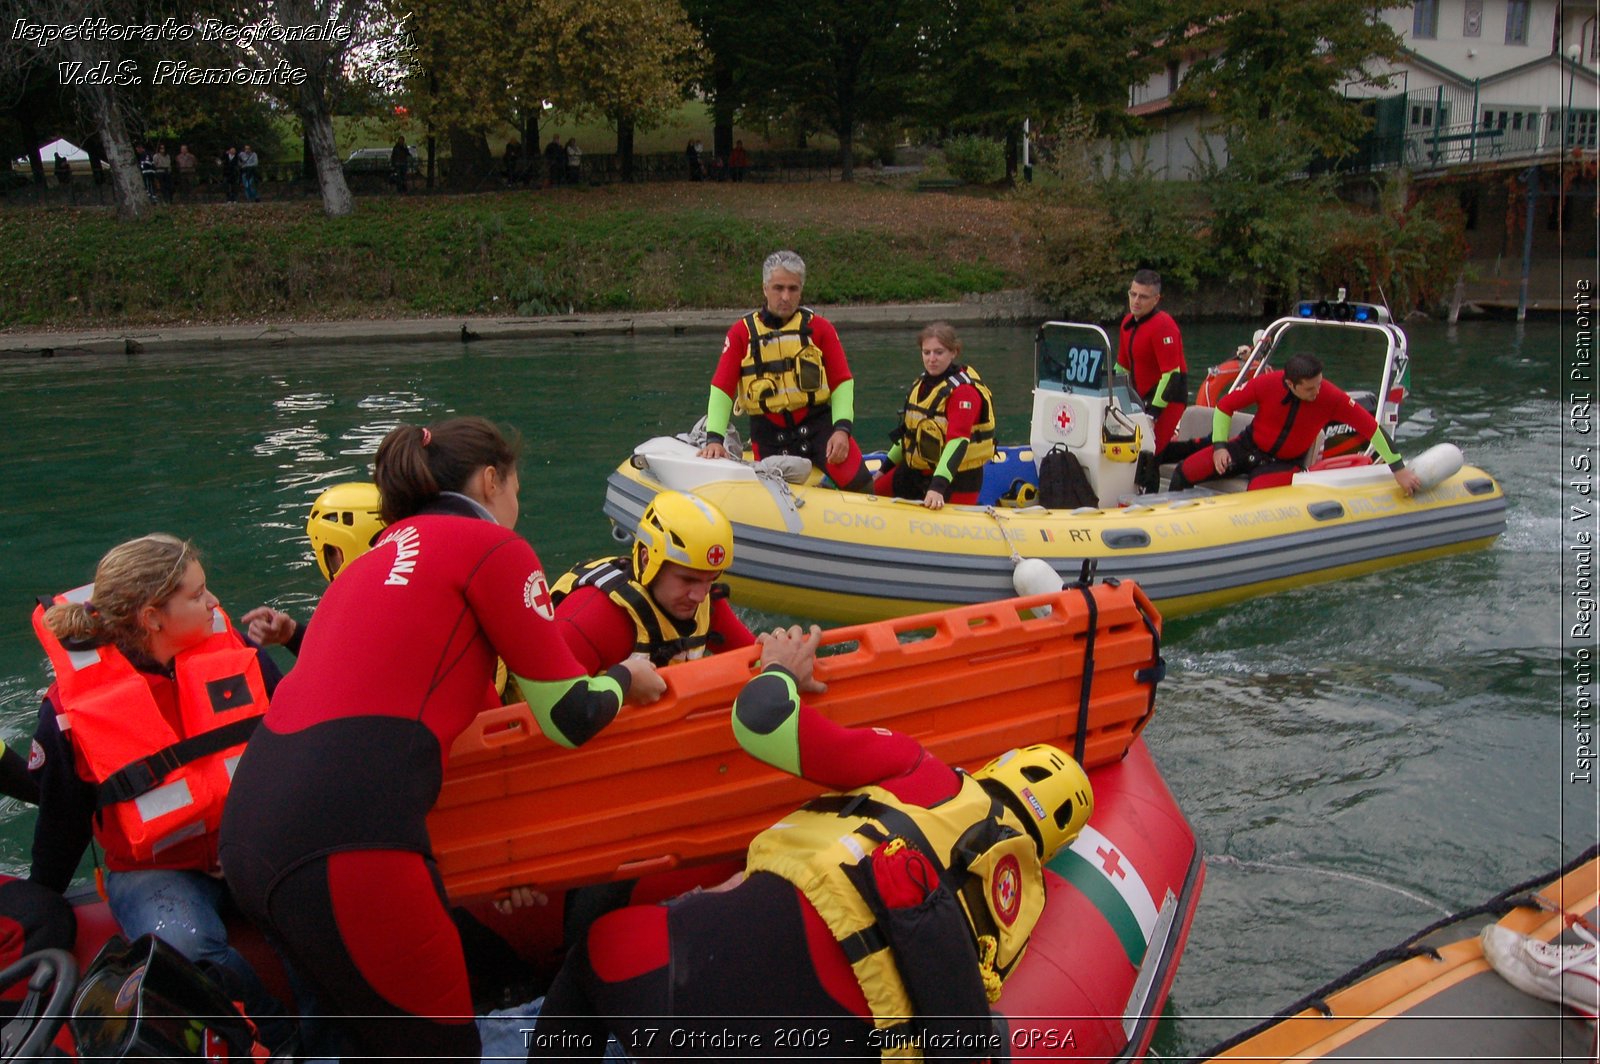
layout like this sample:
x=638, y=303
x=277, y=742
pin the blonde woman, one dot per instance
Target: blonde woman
x=155, y=694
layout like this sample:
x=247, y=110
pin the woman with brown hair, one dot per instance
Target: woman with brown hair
x=155, y=694
x=326, y=843
x=946, y=431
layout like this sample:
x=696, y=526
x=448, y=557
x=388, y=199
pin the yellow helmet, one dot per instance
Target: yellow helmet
x=684, y=529
x=344, y=518
x=1050, y=787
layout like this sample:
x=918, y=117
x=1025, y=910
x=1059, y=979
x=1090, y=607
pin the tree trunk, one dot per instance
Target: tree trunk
x=308, y=166
x=127, y=184
x=722, y=112
x=531, y=147
x=336, y=199
x=1013, y=150
x=30, y=137
x=433, y=147
x=470, y=162
x=625, y=147
x=847, y=153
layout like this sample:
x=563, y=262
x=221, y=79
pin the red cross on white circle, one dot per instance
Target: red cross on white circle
x=715, y=555
x=536, y=595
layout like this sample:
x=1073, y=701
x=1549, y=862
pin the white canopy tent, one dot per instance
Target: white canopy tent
x=69, y=151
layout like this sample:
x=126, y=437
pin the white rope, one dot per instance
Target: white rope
x=1226, y=859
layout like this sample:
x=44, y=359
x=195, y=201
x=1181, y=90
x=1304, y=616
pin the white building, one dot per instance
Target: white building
x=1477, y=80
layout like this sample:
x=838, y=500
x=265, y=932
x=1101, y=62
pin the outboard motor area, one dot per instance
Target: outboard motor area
x=1083, y=402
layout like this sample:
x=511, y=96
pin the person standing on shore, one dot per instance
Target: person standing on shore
x=183, y=177
x=249, y=174
x=574, y=162
x=230, y=173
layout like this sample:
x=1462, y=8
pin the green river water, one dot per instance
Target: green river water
x=1356, y=758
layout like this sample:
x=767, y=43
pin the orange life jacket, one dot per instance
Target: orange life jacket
x=160, y=789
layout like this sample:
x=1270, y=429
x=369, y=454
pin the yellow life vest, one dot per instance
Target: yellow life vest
x=924, y=424
x=1002, y=893
x=657, y=633
x=782, y=369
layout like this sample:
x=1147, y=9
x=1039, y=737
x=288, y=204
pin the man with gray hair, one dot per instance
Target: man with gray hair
x=784, y=366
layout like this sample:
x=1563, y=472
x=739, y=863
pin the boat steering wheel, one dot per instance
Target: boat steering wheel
x=28, y=1035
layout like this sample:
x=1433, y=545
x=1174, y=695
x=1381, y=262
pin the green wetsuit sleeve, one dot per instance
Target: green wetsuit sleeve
x=950, y=460
x=571, y=712
x=843, y=400
x=1380, y=443
x=719, y=409
x=766, y=719
x=1157, y=399
x=897, y=453
x=1220, y=423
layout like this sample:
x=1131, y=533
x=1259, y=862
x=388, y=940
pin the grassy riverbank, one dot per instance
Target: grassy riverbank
x=621, y=248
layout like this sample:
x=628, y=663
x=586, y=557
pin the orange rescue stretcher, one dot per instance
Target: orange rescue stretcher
x=667, y=785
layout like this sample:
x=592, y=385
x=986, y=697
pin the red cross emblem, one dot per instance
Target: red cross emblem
x=1111, y=863
x=716, y=557
x=1006, y=890
x=536, y=595
x=1063, y=419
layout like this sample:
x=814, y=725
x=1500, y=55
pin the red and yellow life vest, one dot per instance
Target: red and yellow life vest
x=656, y=633
x=782, y=368
x=925, y=424
x=1002, y=896
x=161, y=787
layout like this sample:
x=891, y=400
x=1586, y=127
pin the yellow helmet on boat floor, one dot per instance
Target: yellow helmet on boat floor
x=343, y=518
x=1050, y=787
x=683, y=529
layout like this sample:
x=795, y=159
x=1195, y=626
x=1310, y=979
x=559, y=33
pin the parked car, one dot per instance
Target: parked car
x=376, y=161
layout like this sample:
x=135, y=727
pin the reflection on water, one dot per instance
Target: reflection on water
x=1356, y=756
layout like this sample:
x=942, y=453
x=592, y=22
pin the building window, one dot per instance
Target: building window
x=1516, y=21
x=1172, y=78
x=1580, y=129
x=1425, y=19
x=1472, y=19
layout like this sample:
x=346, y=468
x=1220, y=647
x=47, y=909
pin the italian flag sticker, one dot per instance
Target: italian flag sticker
x=1098, y=868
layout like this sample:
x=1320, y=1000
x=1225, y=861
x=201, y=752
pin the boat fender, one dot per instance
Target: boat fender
x=1034, y=576
x=1437, y=464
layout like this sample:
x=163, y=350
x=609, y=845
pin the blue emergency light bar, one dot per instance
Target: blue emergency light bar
x=1342, y=310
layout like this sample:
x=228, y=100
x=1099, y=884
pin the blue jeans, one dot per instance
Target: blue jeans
x=184, y=910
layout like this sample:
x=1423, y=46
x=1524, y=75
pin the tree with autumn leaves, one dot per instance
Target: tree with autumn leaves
x=483, y=64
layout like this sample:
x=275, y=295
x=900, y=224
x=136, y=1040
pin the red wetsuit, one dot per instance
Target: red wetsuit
x=746, y=955
x=801, y=432
x=1150, y=348
x=324, y=840
x=1282, y=431
x=600, y=633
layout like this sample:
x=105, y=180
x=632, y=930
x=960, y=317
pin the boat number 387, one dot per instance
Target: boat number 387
x=1083, y=364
